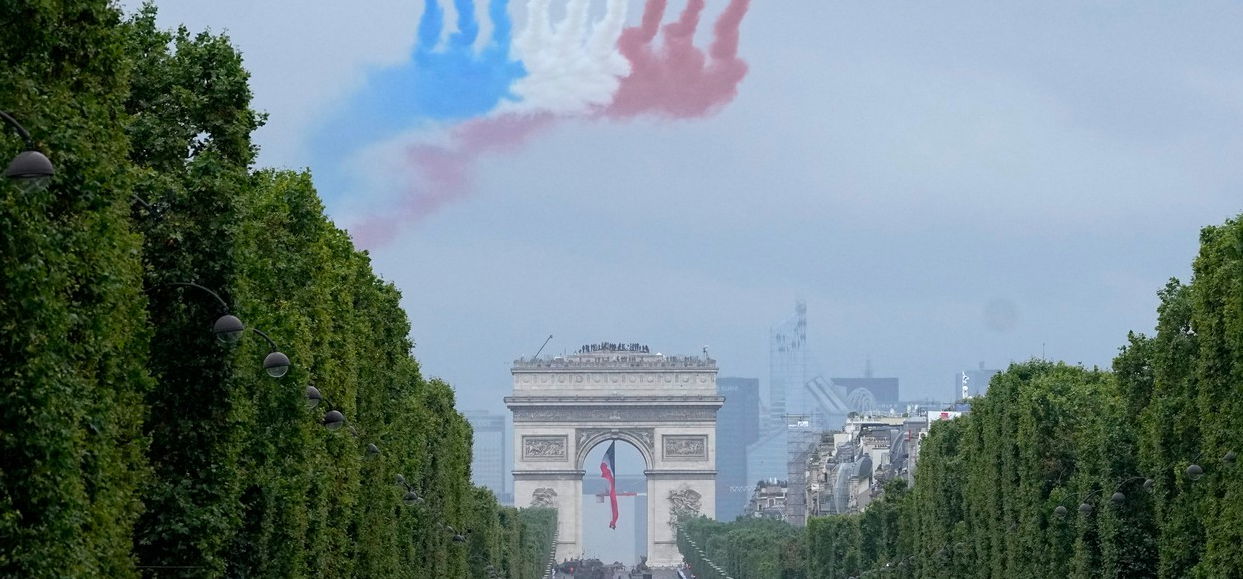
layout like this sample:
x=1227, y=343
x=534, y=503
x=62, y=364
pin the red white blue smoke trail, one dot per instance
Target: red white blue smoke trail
x=484, y=97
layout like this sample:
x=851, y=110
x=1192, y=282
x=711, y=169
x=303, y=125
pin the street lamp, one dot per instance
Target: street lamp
x=334, y=420
x=276, y=363
x=313, y=397
x=30, y=168
x=227, y=328
x=411, y=498
x=1194, y=472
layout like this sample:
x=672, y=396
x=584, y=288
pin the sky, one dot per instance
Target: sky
x=944, y=184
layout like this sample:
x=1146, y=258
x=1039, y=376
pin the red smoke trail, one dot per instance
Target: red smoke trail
x=443, y=171
x=677, y=79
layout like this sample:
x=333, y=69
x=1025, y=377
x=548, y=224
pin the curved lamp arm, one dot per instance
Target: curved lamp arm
x=224, y=306
x=276, y=364
x=12, y=122
x=1193, y=471
x=271, y=342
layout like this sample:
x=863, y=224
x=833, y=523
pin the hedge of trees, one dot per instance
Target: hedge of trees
x=1061, y=470
x=136, y=443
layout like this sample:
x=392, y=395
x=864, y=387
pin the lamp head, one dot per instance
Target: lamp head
x=276, y=364
x=31, y=170
x=334, y=420
x=1194, y=472
x=313, y=397
x=228, y=328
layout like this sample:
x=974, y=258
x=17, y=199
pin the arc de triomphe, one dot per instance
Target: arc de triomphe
x=665, y=406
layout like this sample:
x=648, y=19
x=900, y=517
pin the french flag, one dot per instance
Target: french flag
x=607, y=466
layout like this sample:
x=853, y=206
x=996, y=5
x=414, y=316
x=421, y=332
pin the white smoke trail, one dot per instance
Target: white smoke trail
x=570, y=70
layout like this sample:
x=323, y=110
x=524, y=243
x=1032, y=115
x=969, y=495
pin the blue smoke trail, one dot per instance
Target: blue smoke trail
x=438, y=83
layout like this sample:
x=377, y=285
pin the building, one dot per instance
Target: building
x=868, y=394
x=801, y=439
x=848, y=469
x=487, y=461
x=767, y=458
x=768, y=500
x=737, y=427
x=787, y=365
x=665, y=406
x=970, y=383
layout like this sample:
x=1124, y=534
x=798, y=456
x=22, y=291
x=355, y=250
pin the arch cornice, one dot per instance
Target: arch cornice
x=643, y=439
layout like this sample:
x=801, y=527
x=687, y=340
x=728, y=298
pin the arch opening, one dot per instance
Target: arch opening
x=628, y=541
x=592, y=443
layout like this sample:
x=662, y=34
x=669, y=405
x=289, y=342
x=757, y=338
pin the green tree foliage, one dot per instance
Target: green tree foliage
x=134, y=441
x=759, y=548
x=189, y=125
x=73, y=333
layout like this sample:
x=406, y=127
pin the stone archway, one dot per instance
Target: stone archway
x=664, y=406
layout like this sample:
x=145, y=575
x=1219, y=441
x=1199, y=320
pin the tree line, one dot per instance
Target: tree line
x=1059, y=470
x=133, y=441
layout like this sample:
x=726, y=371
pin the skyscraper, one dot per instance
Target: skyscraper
x=787, y=365
x=487, y=462
x=737, y=426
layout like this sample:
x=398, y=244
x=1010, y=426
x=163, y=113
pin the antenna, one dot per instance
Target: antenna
x=541, y=348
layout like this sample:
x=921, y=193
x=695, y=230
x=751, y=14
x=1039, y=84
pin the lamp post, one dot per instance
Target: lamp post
x=276, y=363
x=30, y=168
x=411, y=497
x=1194, y=472
x=333, y=419
x=228, y=328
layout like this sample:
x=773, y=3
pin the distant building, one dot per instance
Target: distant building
x=737, y=427
x=848, y=469
x=973, y=382
x=869, y=394
x=487, y=461
x=767, y=458
x=768, y=500
x=788, y=369
x=801, y=439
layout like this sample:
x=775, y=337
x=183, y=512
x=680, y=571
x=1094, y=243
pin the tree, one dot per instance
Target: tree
x=73, y=340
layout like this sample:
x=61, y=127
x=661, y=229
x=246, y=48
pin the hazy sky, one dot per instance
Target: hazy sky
x=943, y=183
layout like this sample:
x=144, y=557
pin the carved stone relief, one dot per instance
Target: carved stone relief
x=683, y=447
x=684, y=503
x=544, y=497
x=544, y=448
